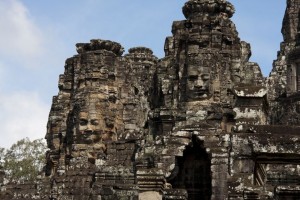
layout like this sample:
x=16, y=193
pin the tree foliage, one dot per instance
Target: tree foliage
x=23, y=160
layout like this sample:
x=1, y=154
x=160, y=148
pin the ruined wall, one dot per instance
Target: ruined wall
x=283, y=82
x=278, y=75
x=106, y=118
x=193, y=124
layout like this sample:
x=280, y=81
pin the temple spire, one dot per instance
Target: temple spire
x=290, y=26
x=197, y=8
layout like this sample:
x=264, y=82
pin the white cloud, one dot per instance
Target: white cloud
x=20, y=39
x=2, y=69
x=23, y=114
x=23, y=45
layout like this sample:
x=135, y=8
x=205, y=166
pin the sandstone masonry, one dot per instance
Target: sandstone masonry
x=200, y=123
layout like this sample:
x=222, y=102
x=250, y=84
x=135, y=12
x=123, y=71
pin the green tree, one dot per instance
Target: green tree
x=24, y=160
x=2, y=154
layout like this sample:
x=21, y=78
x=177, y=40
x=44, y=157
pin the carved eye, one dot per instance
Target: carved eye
x=94, y=122
x=193, y=77
x=83, y=122
x=205, y=77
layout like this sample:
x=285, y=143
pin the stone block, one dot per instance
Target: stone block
x=151, y=195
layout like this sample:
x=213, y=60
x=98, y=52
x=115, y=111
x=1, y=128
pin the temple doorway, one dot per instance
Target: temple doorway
x=194, y=172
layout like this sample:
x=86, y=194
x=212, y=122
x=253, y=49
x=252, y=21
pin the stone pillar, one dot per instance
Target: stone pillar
x=219, y=170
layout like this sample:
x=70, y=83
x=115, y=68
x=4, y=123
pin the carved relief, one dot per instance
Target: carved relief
x=190, y=125
x=198, y=82
x=95, y=120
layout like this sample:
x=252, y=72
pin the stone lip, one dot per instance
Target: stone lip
x=98, y=44
x=194, y=8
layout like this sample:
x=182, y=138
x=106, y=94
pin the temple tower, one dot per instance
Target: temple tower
x=284, y=80
x=192, y=125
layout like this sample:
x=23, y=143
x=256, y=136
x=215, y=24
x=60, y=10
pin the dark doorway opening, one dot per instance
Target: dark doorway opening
x=194, y=172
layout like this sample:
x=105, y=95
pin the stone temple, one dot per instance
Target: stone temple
x=201, y=123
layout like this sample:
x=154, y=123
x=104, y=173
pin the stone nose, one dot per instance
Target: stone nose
x=199, y=83
x=89, y=127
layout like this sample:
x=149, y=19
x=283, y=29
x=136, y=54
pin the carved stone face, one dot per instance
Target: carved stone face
x=198, y=82
x=95, y=124
x=235, y=72
x=89, y=128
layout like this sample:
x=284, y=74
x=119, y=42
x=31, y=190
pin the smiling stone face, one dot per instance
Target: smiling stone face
x=89, y=128
x=95, y=122
x=236, y=71
x=198, y=82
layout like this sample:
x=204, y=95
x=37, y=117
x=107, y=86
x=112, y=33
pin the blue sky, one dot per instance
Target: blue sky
x=37, y=36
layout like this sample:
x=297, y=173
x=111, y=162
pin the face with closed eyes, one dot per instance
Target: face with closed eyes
x=235, y=72
x=93, y=125
x=198, y=82
x=88, y=128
